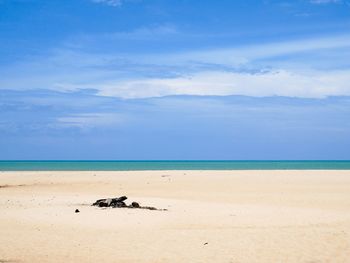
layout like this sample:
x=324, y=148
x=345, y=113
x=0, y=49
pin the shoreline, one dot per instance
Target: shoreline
x=166, y=165
x=182, y=170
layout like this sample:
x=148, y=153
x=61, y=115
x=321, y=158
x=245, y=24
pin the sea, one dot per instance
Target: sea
x=170, y=165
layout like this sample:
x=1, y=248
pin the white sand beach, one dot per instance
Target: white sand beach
x=213, y=216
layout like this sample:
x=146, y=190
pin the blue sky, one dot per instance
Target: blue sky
x=182, y=79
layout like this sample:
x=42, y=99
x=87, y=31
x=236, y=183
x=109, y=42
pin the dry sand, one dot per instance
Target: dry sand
x=213, y=216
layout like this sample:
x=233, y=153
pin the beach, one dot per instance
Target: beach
x=211, y=216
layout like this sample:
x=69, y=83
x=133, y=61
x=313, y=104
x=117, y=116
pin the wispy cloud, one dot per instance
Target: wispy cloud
x=254, y=70
x=324, y=1
x=275, y=83
x=146, y=32
x=248, y=53
x=90, y=120
x=95, y=127
x=109, y=2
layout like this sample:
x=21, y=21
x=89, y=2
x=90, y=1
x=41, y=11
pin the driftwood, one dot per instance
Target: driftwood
x=118, y=202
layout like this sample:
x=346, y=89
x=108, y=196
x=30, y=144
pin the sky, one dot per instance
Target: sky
x=179, y=79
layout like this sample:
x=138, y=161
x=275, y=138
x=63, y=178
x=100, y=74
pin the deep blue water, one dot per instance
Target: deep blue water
x=170, y=165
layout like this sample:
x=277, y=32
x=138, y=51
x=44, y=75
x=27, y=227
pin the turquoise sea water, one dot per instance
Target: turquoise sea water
x=170, y=165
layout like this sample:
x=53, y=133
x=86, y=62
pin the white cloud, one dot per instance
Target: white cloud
x=144, y=33
x=109, y=2
x=324, y=1
x=90, y=120
x=142, y=75
x=280, y=83
x=244, y=54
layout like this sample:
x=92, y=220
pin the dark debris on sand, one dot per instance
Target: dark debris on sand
x=118, y=202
